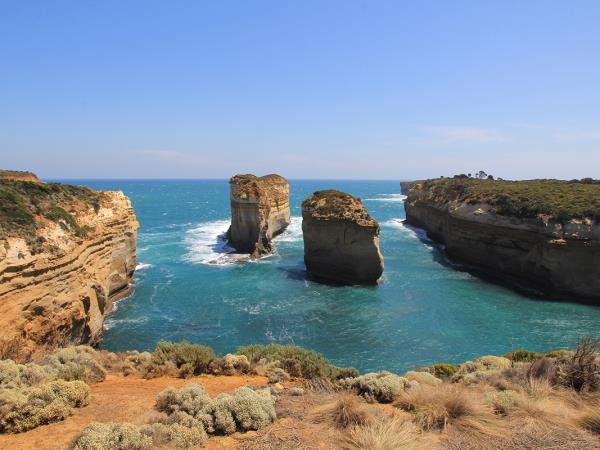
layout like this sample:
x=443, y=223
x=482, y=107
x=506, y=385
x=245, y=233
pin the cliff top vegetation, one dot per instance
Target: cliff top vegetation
x=332, y=204
x=22, y=203
x=522, y=400
x=561, y=200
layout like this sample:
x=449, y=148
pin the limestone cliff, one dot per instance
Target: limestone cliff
x=66, y=254
x=341, y=239
x=515, y=232
x=260, y=210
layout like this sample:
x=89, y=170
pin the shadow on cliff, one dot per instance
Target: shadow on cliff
x=440, y=256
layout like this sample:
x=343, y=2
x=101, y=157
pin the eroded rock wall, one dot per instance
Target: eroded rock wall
x=552, y=257
x=341, y=239
x=260, y=210
x=60, y=293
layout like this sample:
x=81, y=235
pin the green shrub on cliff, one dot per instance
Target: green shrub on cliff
x=296, y=361
x=562, y=200
x=522, y=355
x=22, y=201
x=188, y=359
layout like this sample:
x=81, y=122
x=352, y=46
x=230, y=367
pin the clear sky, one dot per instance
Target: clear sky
x=307, y=89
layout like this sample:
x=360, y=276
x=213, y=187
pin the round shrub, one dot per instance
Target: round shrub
x=379, y=386
x=112, y=436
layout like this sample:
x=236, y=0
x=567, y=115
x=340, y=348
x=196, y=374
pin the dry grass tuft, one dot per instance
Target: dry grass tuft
x=384, y=434
x=349, y=411
x=436, y=408
x=590, y=421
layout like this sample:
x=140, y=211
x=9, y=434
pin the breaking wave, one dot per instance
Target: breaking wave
x=207, y=243
x=142, y=266
x=408, y=230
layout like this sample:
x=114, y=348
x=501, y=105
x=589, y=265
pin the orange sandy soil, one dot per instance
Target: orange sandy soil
x=123, y=399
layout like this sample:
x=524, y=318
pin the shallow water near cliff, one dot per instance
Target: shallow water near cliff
x=424, y=311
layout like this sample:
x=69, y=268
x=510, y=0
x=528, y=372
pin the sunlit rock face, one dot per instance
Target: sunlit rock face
x=341, y=239
x=260, y=210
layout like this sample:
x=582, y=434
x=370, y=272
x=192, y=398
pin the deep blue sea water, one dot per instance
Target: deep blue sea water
x=424, y=311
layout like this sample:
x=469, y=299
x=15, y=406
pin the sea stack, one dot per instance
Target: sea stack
x=67, y=253
x=341, y=239
x=260, y=210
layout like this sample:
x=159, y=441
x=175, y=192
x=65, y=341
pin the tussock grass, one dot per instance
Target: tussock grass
x=348, y=411
x=384, y=434
x=434, y=408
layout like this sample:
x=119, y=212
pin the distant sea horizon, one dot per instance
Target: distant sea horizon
x=425, y=311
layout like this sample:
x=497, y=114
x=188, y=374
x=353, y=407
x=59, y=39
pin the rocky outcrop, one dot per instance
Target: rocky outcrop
x=341, y=239
x=60, y=274
x=558, y=257
x=260, y=210
x=405, y=186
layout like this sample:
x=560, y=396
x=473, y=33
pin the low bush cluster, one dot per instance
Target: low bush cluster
x=114, y=436
x=377, y=386
x=188, y=359
x=22, y=410
x=296, y=361
x=188, y=414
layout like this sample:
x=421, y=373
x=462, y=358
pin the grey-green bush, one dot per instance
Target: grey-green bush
x=112, y=436
x=47, y=403
x=379, y=386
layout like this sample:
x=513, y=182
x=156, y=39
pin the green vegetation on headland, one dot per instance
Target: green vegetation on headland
x=523, y=400
x=21, y=202
x=561, y=200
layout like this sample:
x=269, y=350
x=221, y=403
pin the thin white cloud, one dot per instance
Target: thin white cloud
x=464, y=134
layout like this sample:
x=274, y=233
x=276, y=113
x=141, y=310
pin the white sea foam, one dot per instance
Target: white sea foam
x=142, y=266
x=417, y=233
x=393, y=198
x=207, y=243
x=292, y=233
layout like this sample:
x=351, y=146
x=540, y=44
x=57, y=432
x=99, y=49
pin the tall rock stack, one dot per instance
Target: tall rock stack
x=66, y=254
x=341, y=239
x=260, y=210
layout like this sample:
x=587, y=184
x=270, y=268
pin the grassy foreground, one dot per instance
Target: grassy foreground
x=562, y=200
x=522, y=400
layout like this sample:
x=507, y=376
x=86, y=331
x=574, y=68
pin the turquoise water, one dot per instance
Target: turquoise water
x=423, y=312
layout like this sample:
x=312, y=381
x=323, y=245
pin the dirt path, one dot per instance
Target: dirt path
x=118, y=399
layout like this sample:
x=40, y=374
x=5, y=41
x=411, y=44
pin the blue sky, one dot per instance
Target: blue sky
x=308, y=89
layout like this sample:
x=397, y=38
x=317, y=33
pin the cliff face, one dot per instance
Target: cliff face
x=63, y=265
x=260, y=210
x=554, y=256
x=341, y=239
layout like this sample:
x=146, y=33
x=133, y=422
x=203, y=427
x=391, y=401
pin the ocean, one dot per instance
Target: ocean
x=424, y=311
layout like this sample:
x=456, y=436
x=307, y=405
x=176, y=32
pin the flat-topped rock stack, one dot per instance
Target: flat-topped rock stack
x=260, y=210
x=341, y=239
